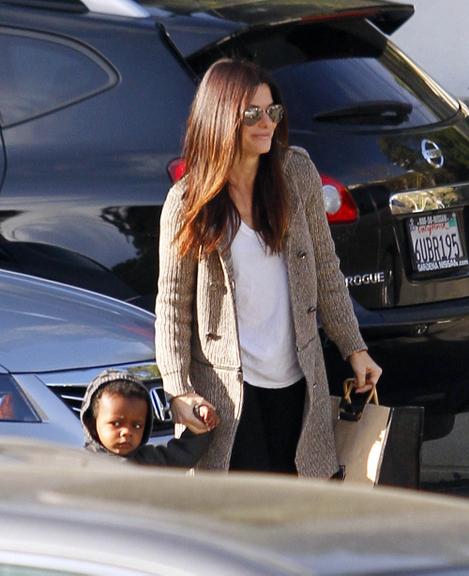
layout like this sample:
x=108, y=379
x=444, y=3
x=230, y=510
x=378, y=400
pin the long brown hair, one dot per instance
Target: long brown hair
x=212, y=142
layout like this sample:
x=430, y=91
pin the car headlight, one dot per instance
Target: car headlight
x=14, y=406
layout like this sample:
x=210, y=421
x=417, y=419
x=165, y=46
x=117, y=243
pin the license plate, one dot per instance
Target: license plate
x=437, y=242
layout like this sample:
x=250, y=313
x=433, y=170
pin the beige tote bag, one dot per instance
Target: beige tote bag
x=361, y=427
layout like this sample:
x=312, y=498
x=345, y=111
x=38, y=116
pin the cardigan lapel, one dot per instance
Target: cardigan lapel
x=227, y=265
x=290, y=244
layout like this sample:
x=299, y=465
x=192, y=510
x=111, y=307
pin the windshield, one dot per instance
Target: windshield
x=344, y=74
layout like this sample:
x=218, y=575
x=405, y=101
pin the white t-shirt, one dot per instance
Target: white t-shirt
x=268, y=350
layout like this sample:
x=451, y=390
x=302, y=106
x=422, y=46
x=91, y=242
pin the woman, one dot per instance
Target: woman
x=246, y=263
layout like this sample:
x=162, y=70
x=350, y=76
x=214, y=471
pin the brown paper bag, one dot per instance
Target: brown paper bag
x=360, y=438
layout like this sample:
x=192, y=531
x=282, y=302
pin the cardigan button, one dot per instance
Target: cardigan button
x=301, y=254
x=311, y=309
x=214, y=286
x=212, y=336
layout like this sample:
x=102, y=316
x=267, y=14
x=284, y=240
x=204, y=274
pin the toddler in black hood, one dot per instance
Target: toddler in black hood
x=117, y=418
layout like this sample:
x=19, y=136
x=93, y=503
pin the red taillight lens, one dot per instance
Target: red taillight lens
x=176, y=169
x=340, y=206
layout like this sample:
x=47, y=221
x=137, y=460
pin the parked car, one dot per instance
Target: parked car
x=67, y=512
x=93, y=102
x=54, y=340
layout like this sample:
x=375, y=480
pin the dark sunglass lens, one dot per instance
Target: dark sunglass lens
x=252, y=115
x=275, y=113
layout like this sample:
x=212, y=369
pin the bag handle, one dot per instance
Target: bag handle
x=350, y=384
x=352, y=409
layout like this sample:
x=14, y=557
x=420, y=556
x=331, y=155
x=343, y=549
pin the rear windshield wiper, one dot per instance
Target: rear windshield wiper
x=391, y=112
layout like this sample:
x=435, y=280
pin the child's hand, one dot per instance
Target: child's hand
x=185, y=410
x=207, y=414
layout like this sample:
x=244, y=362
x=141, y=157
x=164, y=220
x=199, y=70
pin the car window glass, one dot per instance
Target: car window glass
x=345, y=75
x=41, y=73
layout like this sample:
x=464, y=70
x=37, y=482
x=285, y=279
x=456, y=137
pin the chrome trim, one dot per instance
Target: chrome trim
x=161, y=408
x=432, y=153
x=70, y=397
x=365, y=279
x=71, y=385
x=82, y=377
x=429, y=200
x=117, y=8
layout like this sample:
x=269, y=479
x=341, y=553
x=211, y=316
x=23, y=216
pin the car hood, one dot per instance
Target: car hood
x=195, y=26
x=48, y=326
x=310, y=526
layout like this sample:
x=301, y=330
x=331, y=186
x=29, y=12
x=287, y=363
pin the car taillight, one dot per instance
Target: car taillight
x=176, y=169
x=340, y=206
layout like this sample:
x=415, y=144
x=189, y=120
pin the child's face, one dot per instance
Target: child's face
x=120, y=422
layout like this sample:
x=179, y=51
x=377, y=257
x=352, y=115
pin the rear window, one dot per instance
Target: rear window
x=340, y=74
x=41, y=73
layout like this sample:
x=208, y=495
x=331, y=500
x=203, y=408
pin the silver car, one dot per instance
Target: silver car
x=68, y=512
x=54, y=339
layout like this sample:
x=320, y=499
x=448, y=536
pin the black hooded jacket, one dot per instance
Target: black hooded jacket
x=182, y=452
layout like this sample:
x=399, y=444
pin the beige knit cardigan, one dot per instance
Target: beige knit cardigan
x=197, y=345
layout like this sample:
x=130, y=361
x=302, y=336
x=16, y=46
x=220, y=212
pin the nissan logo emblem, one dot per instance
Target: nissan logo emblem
x=432, y=153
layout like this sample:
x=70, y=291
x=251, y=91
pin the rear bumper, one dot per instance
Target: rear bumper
x=423, y=351
x=412, y=320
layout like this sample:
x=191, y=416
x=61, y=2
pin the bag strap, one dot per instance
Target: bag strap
x=350, y=384
x=352, y=409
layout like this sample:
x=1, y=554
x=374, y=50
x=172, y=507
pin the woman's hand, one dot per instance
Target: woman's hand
x=182, y=408
x=366, y=371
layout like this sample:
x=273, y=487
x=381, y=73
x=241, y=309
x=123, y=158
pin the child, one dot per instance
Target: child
x=117, y=418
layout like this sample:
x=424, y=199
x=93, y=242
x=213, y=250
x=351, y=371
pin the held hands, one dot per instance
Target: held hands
x=194, y=412
x=367, y=372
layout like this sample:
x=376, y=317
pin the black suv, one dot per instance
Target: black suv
x=93, y=101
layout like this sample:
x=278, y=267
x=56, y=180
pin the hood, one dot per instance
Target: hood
x=86, y=416
x=48, y=326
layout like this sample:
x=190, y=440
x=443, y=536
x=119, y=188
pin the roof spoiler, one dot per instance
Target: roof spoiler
x=389, y=20
x=387, y=16
x=236, y=17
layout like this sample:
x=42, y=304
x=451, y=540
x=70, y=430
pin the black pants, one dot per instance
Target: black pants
x=269, y=429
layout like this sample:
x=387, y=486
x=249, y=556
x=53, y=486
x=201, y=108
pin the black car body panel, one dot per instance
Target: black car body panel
x=86, y=180
x=97, y=113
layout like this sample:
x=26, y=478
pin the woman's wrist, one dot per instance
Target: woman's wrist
x=355, y=353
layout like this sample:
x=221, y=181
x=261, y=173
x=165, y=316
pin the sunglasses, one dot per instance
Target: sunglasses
x=253, y=114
